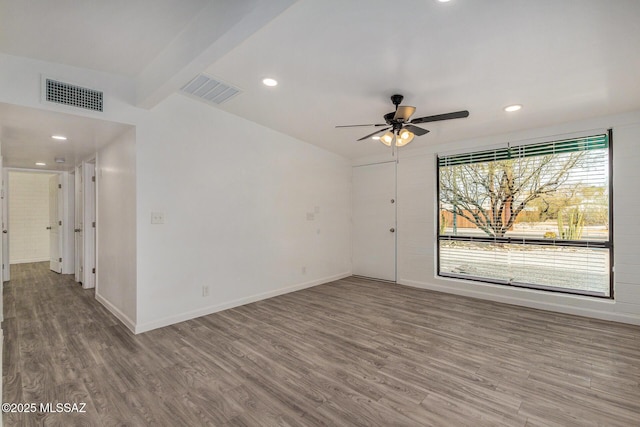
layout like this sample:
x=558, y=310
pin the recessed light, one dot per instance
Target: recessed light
x=270, y=82
x=59, y=137
x=40, y=164
x=375, y=137
x=512, y=108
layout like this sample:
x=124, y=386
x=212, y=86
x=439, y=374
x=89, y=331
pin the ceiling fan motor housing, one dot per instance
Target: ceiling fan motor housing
x=389, y=117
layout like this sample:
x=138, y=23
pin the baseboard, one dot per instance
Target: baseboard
x=524, y=302
x=116, y=312
x=160, y=323
x=27, y=261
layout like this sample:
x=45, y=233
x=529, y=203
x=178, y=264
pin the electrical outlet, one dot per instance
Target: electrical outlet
x=310, y=216
x=205, y=291
x=157, y=217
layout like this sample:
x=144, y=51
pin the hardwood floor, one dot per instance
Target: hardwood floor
x=351, y=352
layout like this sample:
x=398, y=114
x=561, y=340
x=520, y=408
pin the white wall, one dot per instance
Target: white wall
x=116, y=227
x=28, y=217
x=417, y=231
x=626, y=176
x=235, y=196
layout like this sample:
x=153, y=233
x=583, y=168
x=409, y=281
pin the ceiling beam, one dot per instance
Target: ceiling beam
x=216, y=30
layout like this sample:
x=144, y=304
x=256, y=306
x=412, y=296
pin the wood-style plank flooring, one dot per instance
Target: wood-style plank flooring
x=351, y=352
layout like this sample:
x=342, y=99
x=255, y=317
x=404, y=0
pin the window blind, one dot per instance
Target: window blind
x=555, y=147
x=535, y=215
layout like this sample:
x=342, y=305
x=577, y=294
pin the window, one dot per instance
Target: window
x=535, y=215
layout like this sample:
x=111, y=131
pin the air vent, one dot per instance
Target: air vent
x=210, y=90
x=76, y=96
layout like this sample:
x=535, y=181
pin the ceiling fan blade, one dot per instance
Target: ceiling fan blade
x=352, y=126
x=416, y=130
x=371, y=134
x=404, y=113
x=438, y=117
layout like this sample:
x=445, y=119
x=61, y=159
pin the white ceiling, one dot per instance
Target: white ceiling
x=116, y=36
x=26, y=137
x=339, y=61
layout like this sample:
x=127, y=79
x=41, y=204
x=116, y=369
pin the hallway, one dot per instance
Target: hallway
x=56, y=334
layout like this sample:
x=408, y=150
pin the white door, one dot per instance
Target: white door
x=89, y=230
x=55, y=225
x=78, y=226
x=1, y=258
x=6, y=272
x=374, y=221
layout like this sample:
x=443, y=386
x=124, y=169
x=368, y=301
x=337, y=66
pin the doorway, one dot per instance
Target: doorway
x=374, y=221
x=36, y=219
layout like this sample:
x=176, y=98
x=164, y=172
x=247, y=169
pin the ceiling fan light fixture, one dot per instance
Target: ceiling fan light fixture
x=404, y=137
x=387, y=139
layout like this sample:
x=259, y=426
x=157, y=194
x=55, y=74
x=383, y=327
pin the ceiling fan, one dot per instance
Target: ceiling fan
x=400, y=129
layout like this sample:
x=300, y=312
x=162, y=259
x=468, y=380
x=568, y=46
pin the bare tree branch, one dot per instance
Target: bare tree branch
x=491, y=195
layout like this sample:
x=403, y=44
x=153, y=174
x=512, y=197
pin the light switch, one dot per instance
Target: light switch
x=157, y=217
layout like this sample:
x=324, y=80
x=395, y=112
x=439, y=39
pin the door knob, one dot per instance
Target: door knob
x=392, y=230
x=77, y=230
x=48, y=228
x=5, y=231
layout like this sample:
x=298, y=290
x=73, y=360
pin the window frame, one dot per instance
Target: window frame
x=608, y=244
